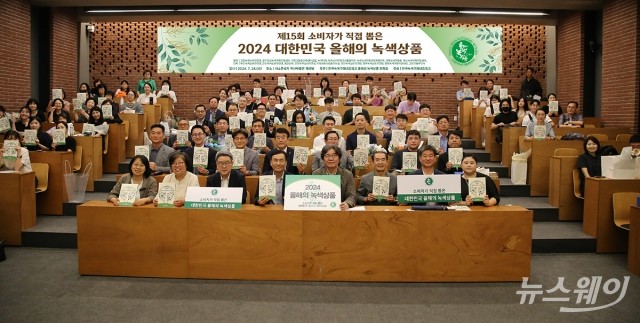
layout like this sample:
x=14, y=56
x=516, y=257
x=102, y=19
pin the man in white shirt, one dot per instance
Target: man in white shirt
x=425, y=113
x=328, y=123
x=329, y=110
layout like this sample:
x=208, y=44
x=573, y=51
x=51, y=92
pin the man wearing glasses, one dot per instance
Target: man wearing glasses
x=226, y=176
x=279, y=169
x=198, y=136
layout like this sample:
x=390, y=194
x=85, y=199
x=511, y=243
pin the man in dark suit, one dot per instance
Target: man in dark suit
x=412, y=144
x=365, y=189
x=226, y=176
x=282, y=142
x=183, y=124
x=428, y=156
x=198, y=135
x=213, y=113
x=278, y=168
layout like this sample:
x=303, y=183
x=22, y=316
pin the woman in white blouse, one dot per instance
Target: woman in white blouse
x=179, y=162
x=148, y=97
x=22, y=163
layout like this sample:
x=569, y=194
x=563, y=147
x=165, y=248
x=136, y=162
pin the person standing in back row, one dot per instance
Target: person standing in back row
x=530, y=86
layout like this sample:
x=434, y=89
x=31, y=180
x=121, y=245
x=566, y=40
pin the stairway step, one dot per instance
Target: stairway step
x=105, y=184
x=468, y=144
x=542, y=210
x=52, y=231
x=561, y=237
x=508, y=189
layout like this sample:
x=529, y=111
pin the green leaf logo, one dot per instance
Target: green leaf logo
x=463, y=51
x=214, y=192
x=429, y=181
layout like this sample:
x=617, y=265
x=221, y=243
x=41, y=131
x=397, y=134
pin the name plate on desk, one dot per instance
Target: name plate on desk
x=213, y=198
x=429, y=188
x=312, y=192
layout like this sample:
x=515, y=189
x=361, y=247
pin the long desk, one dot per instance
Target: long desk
x=561, y=188
x=598, y=212
x=50, y=201
x=115, y=149
x=136, y=129
x=264, y=243
x=510, y=137
x=91, y=153
x=18, y=200
x=541, y=153
x=633, y=257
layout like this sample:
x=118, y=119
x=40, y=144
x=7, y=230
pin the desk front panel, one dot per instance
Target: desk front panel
x=50, y=201
x=486, y=244
x=598, y=212
x=18, y=212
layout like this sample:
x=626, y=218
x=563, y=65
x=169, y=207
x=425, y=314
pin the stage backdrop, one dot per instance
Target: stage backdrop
x=329, y=50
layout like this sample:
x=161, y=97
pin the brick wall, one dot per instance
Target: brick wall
x=64, y=51
x=122, y=50
x=15, y=31
x=620, y=64
x=570, y=38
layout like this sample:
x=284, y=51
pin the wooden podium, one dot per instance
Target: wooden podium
x=466, y=110
x=136, y=129
x=18, y=211
x=50, y=202
x=152, y=115
x=115, y=150
x=561, y=188
x=91, y=153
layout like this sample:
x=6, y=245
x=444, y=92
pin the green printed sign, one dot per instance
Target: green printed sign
x=330, y=50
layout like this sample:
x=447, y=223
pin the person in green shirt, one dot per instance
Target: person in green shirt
x=146, y=78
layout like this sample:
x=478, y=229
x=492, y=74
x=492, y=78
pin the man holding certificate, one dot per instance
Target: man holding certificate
x=449, y=162
x=378, y=187
x=331, y=156
x=412, y=145
x=200, y=156
x=427, y=155
x=270, y=188
x=226, y=176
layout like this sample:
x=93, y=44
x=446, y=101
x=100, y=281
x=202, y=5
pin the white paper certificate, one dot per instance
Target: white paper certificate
x=363, y=141
x=317, y=92
x=539, y=132
x=397, y=87
x=342, y=91
x=228, y=141
x=142, y=150
x=504, y=94
x=56, y=94
x=356, y=110
x=107, y=111
x=434, y=140
x=398, y=137
x=409, y=161
x=467, y=92
x=257, y=93
x=553, y=107
x=282, y=81
x=300, y=155
x=353, y=88
x=30, y=137
x=301, y=130
x=127, y=194
x=366, y=91
x=234, y=123
x=59, y=136
x=238, y=157
x=267, y=185
x=10, y=149
x=455, y=156
x=477, y=188
x=259, y=140
x=380, y=186
x=484, y=95
x=201, y=156
x=5, y=124
x=166, y=194
x=182, y=136
x=377, y=122
x=360, y=157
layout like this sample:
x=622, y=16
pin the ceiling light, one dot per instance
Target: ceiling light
x=220, y=10
x=504, y=13
x=130, y=11
x=410, y=10
x=317, y=9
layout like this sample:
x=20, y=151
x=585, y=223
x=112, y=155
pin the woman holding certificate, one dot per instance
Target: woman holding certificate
x=12, y=155
x=540, y=129
x=40, y=140
x=140, y=175
x=180, y=177
x=69, y=143
x=102, y=127
x=476, y=188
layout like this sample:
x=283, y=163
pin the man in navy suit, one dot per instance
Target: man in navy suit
x=226, y=176
x=282, y=142
x=278, y=168
x=428, y=155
